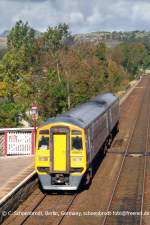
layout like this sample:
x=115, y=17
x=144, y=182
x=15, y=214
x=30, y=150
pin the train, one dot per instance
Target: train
x=67, y=144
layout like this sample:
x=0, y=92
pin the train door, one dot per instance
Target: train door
x=60, y=149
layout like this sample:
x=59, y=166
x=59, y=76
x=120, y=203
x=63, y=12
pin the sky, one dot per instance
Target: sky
x=82, y=16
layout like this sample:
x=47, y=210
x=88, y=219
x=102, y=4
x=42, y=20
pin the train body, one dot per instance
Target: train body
x=67, y=144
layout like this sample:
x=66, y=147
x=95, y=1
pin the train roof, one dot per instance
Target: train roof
x=83, y=114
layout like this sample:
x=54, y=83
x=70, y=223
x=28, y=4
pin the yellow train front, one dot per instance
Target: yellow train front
x=66, y=145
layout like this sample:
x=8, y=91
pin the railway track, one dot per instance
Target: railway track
x=132, y=170
x=129, y=208
x=43, y=206
x=64, y=206
x=58, y=211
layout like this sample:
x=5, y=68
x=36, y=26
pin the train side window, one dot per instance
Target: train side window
x=43, y=143
x=76, y=143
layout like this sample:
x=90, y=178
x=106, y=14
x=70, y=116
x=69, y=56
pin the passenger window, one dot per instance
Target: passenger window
x=43, y=143
x=76, y=143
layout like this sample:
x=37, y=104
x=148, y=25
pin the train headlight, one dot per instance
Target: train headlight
x=77, y=159
x=43, y=159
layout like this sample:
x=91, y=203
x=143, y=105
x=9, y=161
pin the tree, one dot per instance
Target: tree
x=101, y=54
x=18, y=62
x=8, y=114
x=46, y=70
x=21, y=35
x=101, y=51
x=52, y=95
x=55, y=37
x=133, y=57
x=22, y=38
x=117, y=75
x=16, y=72
x=146, y=62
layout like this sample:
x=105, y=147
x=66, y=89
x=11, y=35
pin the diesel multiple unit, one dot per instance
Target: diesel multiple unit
x=67, y=144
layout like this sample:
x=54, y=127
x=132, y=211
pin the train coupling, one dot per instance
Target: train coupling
x=59, y=179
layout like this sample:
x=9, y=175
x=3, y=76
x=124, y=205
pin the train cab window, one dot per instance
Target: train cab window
x=44, y=132
x=76, y=143
x=76, y=132
x=43, y=143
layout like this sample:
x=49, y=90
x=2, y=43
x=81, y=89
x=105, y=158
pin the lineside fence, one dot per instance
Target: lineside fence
x=17, y=141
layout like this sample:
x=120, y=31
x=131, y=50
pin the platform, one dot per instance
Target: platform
x=13, y=170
